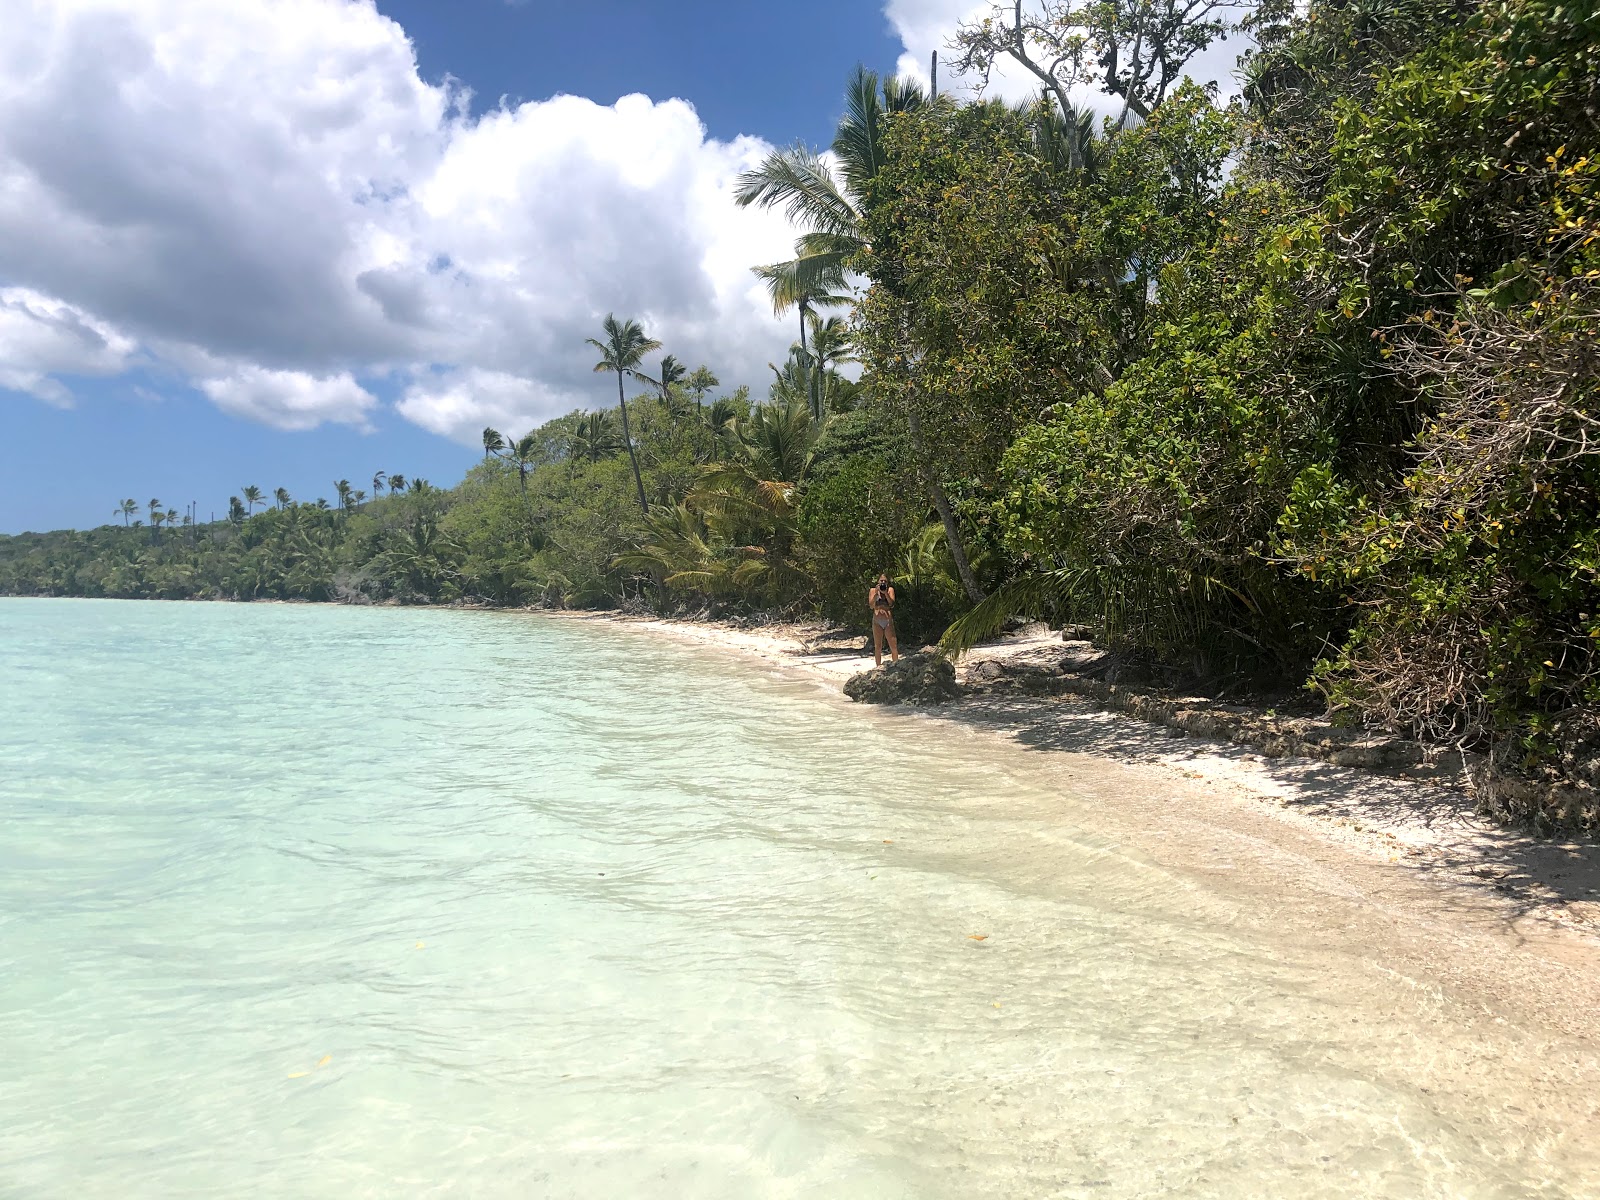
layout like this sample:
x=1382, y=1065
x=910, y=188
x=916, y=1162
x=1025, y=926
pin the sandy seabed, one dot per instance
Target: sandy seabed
x=1503, y=923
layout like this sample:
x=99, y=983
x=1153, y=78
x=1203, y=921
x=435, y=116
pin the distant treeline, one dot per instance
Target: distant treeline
x=1299, y=388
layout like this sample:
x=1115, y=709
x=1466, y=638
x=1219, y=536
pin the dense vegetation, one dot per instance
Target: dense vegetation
x=1296, y=388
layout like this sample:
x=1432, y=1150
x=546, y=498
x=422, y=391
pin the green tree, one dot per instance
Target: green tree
x=127, y=508
x=701, y=381
x=672, y=372
x=621, y=352
x=595, y=436
x=252, y=497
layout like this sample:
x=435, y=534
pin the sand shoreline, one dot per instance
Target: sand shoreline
x=1513, y=919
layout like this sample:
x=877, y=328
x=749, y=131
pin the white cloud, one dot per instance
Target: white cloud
x=292, y=400
x=268, y=184
x=460, y=404
x=41, y=338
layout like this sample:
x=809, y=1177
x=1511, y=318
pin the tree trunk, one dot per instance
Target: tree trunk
x=805, y=365
x=947, y=516
x=627, y=437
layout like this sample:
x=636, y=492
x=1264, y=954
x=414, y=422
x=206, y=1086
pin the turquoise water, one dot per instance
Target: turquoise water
x=316, y=901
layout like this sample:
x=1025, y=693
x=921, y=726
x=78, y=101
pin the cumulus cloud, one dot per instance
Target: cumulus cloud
x=291, y=400
x=460, y=404
x=269, y=185
x=42, y=338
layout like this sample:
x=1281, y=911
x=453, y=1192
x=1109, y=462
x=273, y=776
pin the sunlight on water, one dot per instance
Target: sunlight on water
x=338, y=902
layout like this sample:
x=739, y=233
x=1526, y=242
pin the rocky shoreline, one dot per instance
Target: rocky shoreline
x=1077, y=668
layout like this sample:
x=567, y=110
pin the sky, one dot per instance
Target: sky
x=285, y=242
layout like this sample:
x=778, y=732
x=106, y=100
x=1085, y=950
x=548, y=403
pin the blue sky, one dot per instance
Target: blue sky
x=181, y=321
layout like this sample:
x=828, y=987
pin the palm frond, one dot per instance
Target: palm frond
x=858, y=141
x=1030, y=593
x=811, y=279
x=798, y=181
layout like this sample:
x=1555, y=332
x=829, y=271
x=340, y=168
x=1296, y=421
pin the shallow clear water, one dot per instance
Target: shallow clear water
x=315, y=901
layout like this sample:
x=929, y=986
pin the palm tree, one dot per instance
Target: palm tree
x=397, y=483
x=342, y=486
x=775, y=442
x=701, y=382
x=716, y=418
x=672, y=371
x=758, y=489
x=378, y=480
x=831, y=348
x=419, y=487
x=358, y=496
x=252, y=497
x=622, y=351
x=523, y=453
x=799, y=181
x=595, y=436
x=493, y=442
x=127, y=508
x=282, y=497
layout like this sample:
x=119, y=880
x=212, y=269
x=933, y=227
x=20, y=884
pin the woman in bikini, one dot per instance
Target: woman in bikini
x=880, y=599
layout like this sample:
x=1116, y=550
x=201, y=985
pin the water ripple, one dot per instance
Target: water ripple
x=333, y=902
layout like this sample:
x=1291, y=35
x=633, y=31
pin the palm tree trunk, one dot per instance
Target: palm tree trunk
x=627, y=437
x=947, y=516
x=805, y=362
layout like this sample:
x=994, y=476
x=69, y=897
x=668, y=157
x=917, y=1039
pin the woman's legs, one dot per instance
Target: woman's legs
x=894, y=643
x=877, y=642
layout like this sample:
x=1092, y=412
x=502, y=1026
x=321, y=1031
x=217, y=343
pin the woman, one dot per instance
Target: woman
x=880, y=599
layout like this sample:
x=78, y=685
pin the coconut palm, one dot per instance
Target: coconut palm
x=378, y=480
x=252, y=497
x=716, y=418
x=397, y=483
x=282, y=497
x=595, y=436
x=494, y=442
x=701, y=382
x=679, y=548
x=621, y=352
x=799, y=181
x=523, y=453
x=127, y=508
x=753, y=496
x=672, y=371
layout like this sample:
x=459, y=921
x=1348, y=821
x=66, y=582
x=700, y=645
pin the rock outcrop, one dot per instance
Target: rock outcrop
x=921, y=678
